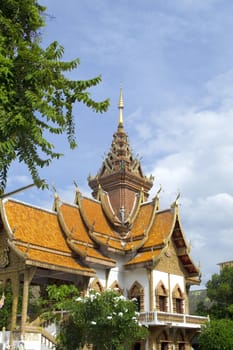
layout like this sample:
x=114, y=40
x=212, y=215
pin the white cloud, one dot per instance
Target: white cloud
x=19, y=180
x=191, y=150
x=219, y=91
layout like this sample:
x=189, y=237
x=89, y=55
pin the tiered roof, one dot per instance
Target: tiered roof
x=36, y=237
x=90, y=233
x=121, y=175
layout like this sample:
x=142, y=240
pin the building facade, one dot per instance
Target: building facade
x=224, y=264
x=117, y=239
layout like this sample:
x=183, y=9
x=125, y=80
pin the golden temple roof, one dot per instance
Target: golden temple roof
x=120, y=220
x=73, y=234
x=36, y=234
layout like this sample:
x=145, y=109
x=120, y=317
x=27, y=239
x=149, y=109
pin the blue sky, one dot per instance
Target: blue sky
x=174, y=61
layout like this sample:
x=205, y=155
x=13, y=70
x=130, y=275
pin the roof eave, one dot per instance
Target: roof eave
x=36, y=263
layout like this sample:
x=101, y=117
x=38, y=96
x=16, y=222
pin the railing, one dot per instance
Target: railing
x=34, y=338
x=171, y=319
x=46, y=337
x=48, y=341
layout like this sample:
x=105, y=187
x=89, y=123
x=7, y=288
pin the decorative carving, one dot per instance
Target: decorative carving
x=4, y=259
x=168, y=253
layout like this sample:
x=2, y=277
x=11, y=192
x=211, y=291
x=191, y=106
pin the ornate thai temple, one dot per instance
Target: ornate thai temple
x=117, y=239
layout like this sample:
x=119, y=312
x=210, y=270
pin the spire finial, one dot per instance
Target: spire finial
x=121, y=107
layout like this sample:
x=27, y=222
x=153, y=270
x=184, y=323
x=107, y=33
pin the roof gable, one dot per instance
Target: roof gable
x=36, y=237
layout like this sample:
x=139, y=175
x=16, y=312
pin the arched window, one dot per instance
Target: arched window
x=163, y=341
x=180, y=341
x=137, y=292
x=96, y=285
x=161, y=297
x=115, y=285
x=178, y=300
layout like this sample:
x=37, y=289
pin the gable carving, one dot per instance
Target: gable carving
x=160, y=289
x=4, y=257
x=115, y=285
x=176, y=293
x=136, y=290
x=169, y=261
x=96, y=285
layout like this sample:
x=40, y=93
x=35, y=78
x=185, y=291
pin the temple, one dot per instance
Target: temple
x=117, y=239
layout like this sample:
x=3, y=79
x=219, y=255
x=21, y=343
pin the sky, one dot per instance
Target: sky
x=174, y=62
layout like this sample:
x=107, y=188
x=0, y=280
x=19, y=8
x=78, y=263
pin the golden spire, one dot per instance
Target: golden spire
x=120, y=106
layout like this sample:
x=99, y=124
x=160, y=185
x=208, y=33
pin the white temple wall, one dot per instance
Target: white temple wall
x=101, y=275
x=126, y=279
x=174, y=280
x=140, y=276
x=170, y=281
x=116, y=273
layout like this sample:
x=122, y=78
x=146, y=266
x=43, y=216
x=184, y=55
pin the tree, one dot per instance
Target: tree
x=106, y=320
x=217, y=335
x=6, y=298
x=6, y=304
x=220, y=292
x=36, y=97
x=56, y=300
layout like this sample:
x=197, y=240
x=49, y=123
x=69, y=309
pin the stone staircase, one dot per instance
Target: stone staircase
x=37, y=337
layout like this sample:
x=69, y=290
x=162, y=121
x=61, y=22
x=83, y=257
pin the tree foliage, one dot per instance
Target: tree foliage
x=36, y=97
x=56, y=300
x=6, y=305
x=217, y=335
x=220, y=292
x=6, y=297
x=106, y=320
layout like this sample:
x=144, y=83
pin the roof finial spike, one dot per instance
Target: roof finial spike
x=121, y=107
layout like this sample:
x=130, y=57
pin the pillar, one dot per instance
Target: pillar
x=28, y=275
x=15, y=292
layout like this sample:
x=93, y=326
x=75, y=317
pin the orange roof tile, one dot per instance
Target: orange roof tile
x=91, y=252
x=142, y=220
x=74, y=223
x=96, y=218
x=72, y=218
x=35, y=226
x=58, y=261
x=123, y=244
x=114, y=244
x=143, y=257
x=161, y=228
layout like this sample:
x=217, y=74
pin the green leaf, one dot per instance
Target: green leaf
x=35, y=93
